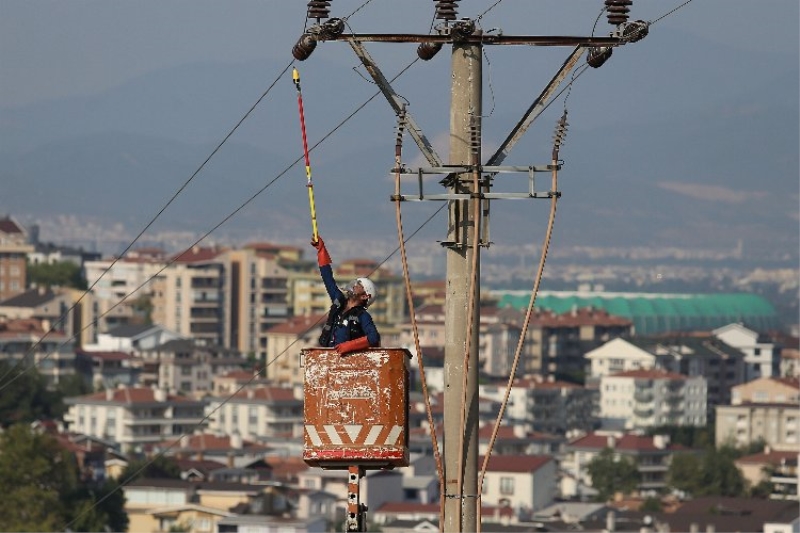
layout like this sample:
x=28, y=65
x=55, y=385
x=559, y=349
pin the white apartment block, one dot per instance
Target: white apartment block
x=134, y=417
x=115, y=278
x=258, y=413
x=618, y=355
x=761, y=356
x=639, y=399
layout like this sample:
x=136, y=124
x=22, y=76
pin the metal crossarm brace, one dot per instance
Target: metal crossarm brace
x=396, y=102
x=536, y=108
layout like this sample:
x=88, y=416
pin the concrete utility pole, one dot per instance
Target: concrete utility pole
x=463, y=290
x=468, y=183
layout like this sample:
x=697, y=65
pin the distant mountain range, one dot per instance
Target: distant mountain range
x=688, y=145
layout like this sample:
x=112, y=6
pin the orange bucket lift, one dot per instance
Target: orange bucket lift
x=356, y=415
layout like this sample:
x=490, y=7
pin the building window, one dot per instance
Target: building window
x=507, y=485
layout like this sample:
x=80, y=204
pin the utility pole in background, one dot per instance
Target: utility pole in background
x=468, y=184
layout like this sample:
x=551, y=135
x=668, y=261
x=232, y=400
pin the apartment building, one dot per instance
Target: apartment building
x=257, y=295
x=640, y=399
x=284, y=344
x=265, y=412
x=115, y=278
x=546, y=405
x=704, y=355
x=28, y=342
x=14, y=247
x=779, y=469
x=762, y=357
x=559, y=342
x=134, y=417
x=188, y=297
x=764, y=409
x=187, y=366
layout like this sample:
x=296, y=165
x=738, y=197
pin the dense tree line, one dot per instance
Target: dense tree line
x=43, y=490
x=710, y=471
x=26, y=398
x=60, y=274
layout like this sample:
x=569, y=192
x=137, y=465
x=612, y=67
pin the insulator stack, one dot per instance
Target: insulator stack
x=401, y=126
x=305, y=45
x=618, y=11
x=446, y=9
x=559, y=135
x=598, y=56
x=474, y=136
x=319, y=9
x=426, y=51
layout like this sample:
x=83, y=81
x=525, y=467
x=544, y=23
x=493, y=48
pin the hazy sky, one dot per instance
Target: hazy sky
x=55, y=48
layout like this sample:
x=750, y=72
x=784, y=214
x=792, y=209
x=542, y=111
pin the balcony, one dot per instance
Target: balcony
x=643, y=396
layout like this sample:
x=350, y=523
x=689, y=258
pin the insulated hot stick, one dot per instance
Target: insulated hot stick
x=309, y=183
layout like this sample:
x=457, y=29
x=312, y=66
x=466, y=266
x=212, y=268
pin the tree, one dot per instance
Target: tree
x=712, y=473
x=60, y=274
x=43, y=492
x=612, y=474
x=143, y=306
x=33, y=471
x=25, y=396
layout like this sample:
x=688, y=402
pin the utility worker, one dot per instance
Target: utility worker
x=349, y=326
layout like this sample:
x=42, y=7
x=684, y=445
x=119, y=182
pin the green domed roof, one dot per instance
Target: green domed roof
x=656, y=313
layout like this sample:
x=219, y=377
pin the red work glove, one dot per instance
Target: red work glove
x=361, y=343
x=323, y=257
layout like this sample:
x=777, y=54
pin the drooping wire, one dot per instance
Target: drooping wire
x=136, y=239
x=401, y=122
x=554, y=195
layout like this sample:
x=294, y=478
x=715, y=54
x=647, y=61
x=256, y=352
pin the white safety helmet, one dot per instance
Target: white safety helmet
x=369, y=289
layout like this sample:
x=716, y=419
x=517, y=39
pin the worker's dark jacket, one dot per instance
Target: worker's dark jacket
x=357, y=322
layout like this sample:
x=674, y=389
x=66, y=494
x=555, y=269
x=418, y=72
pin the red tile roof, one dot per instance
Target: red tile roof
x=196, y=254
x=516, y=463
x=275, y=394
x=107, y=356
x=9, y=226
x=132, y=396
x=208, y=442
x=773, y=457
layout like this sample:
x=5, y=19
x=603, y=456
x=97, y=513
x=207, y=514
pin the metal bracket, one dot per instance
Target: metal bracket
x=491, y=170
